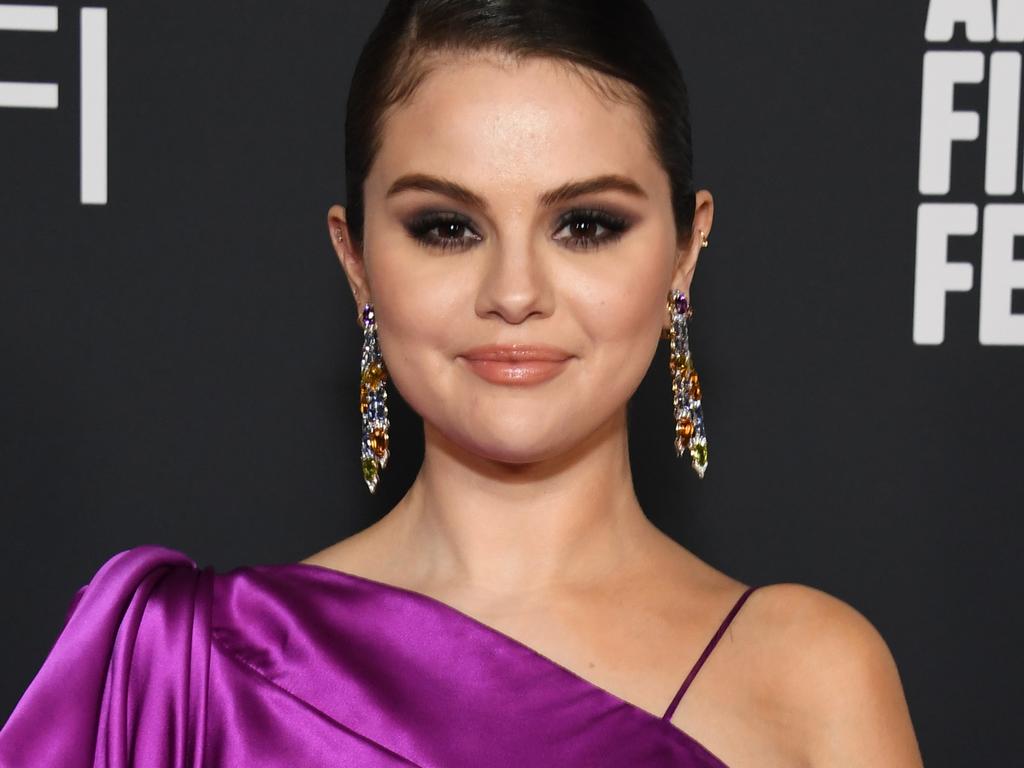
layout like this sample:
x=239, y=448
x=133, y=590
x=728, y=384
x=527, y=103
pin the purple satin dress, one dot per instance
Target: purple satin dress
x=161, y=663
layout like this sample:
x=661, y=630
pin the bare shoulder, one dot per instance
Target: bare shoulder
x=837, y=676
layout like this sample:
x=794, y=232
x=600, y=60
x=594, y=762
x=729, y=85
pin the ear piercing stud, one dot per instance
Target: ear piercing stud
x=703, y=239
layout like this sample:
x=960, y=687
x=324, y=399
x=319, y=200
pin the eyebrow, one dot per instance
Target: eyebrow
x=567, y=191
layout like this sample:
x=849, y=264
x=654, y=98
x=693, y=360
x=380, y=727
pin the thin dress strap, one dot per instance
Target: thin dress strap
x=707, y=652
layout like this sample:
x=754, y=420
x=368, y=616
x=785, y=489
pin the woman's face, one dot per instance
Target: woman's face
x=466, y=245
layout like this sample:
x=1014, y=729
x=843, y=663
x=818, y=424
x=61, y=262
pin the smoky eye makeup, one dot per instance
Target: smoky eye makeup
x=441, y=229
x=589, y=227
x=584, y=224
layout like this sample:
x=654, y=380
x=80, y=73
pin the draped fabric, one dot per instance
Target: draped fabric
x=161, y=663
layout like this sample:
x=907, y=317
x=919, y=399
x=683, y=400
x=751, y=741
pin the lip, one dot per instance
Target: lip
x=517, y=353
x=516, y=364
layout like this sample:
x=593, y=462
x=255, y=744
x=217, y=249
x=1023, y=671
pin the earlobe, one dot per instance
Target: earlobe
x=686, y=263
x=350, y=261
x=698, y=240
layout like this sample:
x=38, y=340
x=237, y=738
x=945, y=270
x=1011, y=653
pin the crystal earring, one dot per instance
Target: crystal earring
x=373, y=396
x=686, y=393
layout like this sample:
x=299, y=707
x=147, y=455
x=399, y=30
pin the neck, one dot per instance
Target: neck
x=508, y=528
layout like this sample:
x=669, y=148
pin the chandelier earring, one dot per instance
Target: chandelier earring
x=686, y=389
x=373, y=409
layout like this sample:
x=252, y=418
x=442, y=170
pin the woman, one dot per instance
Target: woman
x=521, y=229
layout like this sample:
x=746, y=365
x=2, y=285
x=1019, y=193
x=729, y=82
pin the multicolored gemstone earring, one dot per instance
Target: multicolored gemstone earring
x=686, y=392
x=373, y=407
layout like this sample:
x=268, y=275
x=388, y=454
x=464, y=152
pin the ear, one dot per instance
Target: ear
x=690, y=246
x=351, y=260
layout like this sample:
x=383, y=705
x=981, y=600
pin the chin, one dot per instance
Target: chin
x=527, y=446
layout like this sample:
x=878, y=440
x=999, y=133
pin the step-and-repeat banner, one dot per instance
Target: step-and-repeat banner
x=180, y=364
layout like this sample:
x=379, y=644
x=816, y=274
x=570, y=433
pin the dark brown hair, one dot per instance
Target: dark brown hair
x=618, y=38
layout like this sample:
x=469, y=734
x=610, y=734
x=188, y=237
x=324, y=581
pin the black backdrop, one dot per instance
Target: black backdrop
x=180, y=365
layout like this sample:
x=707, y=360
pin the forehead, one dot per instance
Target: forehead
x=489, y=120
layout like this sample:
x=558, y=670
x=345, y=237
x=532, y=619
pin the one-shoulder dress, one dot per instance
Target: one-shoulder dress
x=164, y=664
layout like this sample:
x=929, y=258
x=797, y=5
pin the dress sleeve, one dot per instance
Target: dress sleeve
x=125, y=681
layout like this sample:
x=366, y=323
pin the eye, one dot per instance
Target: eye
x=588, y=228
x=584, y=225
x=451, y=229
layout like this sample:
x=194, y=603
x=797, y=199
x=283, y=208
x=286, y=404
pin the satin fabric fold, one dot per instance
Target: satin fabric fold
x=163, y=664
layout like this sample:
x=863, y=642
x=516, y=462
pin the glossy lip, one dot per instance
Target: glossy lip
x=516, y=363
x=516, y=353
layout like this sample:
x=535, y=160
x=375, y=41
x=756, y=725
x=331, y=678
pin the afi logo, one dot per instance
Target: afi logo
x=93, y=61
x=999, y=222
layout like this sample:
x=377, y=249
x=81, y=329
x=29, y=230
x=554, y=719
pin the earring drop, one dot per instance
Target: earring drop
x=373, y=397
x=686, y=391
x=703, y=239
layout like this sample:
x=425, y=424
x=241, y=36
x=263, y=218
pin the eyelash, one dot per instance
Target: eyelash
x=421, y=227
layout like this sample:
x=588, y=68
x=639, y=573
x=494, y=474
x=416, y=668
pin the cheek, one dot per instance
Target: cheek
x=419, y=306
x=627, y=312
x=621, y=312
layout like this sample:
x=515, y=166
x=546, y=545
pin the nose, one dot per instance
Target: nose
x=515, y=283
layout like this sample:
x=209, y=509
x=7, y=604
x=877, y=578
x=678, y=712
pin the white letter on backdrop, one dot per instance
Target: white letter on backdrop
x=1001, y=274
x=1010, y=21
x=1003, y=123
x=941, y=125
x=94, y=106
x=28, y=18
x=944, y=14
x=934, y=276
